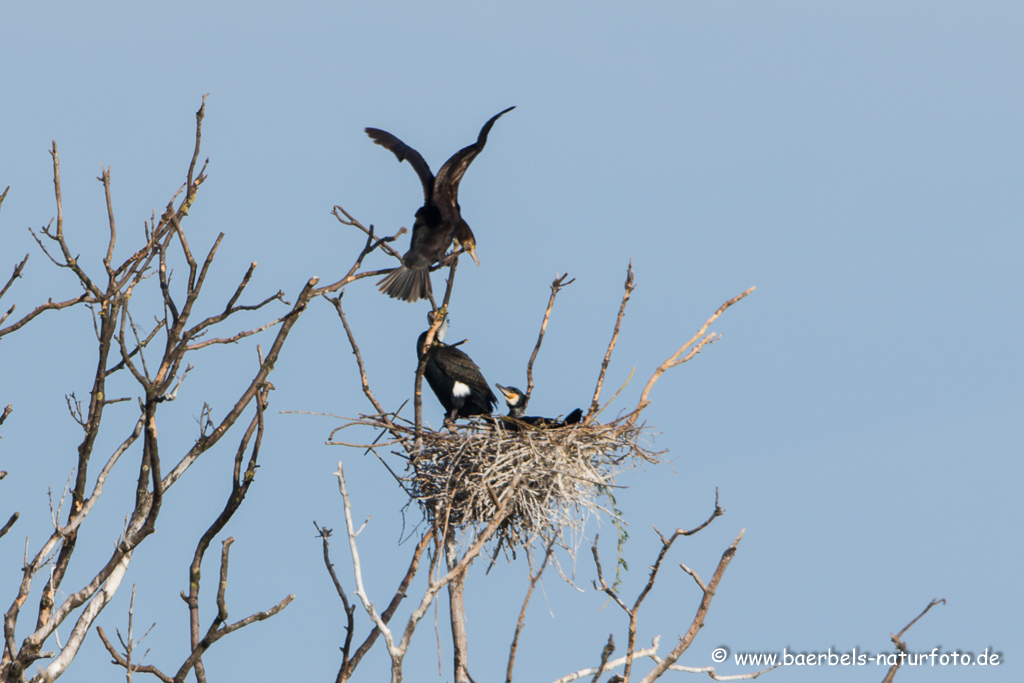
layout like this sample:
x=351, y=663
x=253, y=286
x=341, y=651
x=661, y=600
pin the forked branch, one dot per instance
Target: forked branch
x=700, y=339
x=109, y=295
x=632, y=612
x=702, y=611
x=397, y=650
x=897, y=639
x=394, y=429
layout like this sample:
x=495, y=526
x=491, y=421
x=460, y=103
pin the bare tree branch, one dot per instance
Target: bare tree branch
x=439, y=317
x=216, y=631
x=383, y=242
x=534, y=578
x=609, y=665
x=105, y=179
x=129, y=646
x=457, y=610
x=350, y=609
x=698, y=620
x=607, y=652
x=397, y=650
x=113, y=323
x=240, y=483
x=675, y=359
x=396, y=600
x=371, y=245
x=632, y=612
x=124, y=662
x=556, y=287
x=50, y=305
x=666, y=544
x=595, y=402
x=208, y=440
x=902, y=646
x=69, y=260
x=710, y=671
x=10, y=523
x=17, y=269
x=231, y=308
x=397, y=432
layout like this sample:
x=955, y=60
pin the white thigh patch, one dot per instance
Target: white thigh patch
x=460, y=390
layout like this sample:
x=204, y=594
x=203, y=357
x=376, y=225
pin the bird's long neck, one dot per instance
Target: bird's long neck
x=518, y=410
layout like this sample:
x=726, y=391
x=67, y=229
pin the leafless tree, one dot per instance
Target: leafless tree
x=480, y=487
x=157, y=359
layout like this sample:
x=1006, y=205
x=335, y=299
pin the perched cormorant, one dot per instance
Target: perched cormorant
x=438, y=221
x=455, y=378
x=516, y=402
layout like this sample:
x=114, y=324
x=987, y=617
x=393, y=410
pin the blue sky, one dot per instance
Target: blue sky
x=860, y=163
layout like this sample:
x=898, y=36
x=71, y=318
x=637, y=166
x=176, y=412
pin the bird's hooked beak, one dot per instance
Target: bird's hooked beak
x=510, y=395
x=471, y=250
x=440, y=333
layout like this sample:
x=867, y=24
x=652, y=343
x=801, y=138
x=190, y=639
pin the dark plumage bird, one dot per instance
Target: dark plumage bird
x=516, y=402
x=455, y=378
x=438, y=221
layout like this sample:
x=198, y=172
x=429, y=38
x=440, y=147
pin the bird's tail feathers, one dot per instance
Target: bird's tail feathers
x=408, y=284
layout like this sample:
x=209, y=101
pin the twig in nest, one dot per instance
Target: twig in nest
x=563, y=472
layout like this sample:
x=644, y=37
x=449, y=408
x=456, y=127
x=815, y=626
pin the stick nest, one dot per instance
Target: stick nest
x=459, y=476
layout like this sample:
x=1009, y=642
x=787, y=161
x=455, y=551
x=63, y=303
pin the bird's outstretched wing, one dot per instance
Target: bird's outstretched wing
x=406, y=153
x=446, y=185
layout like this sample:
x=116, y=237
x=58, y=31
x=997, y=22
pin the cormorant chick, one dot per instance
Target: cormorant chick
x=516, y=402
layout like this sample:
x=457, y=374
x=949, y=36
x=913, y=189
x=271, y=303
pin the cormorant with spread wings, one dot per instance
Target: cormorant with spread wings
x=438, y=221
